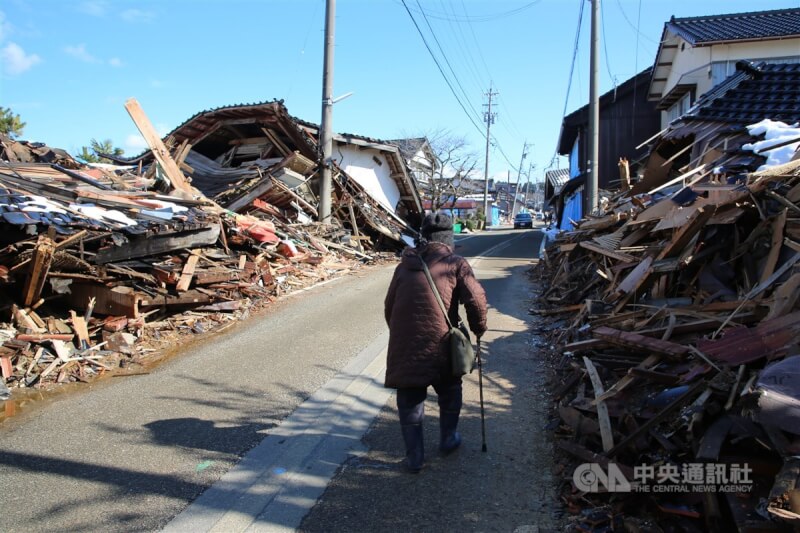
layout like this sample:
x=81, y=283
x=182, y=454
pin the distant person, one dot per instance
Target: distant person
x=419, y=350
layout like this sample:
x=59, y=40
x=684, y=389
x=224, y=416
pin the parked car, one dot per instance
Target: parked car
x=539, y=215
x=523, y=220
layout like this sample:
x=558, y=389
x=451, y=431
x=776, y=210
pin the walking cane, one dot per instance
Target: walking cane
x=480, y=387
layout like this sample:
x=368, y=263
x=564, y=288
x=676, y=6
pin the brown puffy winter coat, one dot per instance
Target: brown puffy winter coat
x=418, y=332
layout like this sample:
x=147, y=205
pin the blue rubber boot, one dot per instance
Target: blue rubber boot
x=449, y=411
x=411, y=408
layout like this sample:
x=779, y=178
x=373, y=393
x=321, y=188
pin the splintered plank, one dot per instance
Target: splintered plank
x=640, y=342
x=697, y=220
x=775, y=248
x=159, y=149
x=81, y=329
x=606, y=434
x=633, y=282
x=617, y=256
x=188, y=271
x=39, y=267
x=115, y=301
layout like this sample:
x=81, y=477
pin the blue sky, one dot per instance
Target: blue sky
x=67, y=66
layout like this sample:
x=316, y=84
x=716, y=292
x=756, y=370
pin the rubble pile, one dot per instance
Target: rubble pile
x=104, y=265
x=676, y=320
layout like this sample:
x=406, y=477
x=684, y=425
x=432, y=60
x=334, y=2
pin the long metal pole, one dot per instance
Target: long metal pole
x=594, y=111
x=326, y=125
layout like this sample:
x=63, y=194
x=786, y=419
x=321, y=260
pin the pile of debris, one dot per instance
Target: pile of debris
x=676, y=314
x=105, y=265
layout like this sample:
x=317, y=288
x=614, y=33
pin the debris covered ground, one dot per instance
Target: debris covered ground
x=104, y=266
x=674, y=320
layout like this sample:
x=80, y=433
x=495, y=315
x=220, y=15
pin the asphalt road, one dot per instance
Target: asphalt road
x=509, y=487
x=129, y=454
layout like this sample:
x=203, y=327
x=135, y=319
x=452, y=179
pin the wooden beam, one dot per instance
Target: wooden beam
x=117, y=301
x=778, y=224
x=606, y=434
x=160, y=152
x=188, y=271
x=158, y=244
x=617, y=256
x=640, y=342
x=39, y=267
x=687, y=231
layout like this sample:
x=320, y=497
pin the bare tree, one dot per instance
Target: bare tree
x=446, y=178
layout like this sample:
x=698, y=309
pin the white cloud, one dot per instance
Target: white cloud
x=115, y=62
x=134, y=144
x=137, y=15
x=95, y=8
x=16, y=60
x=80, y=53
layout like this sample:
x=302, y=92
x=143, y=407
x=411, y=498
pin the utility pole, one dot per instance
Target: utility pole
x=594, y=111
x=528, y=183
x=488, y=117
x=519, y=174
x=326, y=125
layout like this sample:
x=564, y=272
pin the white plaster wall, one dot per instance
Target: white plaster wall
x=693, y=65
x=374, y=178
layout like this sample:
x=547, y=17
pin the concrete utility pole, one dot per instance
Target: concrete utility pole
x=326, y=125
x=488, y=117
x=594, y=111
x=519, y=174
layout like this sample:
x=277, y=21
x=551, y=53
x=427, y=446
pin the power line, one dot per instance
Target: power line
x=441, y=71
x=482, y=18
x=441, y=50
x=605, y=47
x=572, y=67
x=636, y=26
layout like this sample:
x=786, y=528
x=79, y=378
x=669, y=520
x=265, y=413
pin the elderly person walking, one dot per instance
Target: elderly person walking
x=419, y=349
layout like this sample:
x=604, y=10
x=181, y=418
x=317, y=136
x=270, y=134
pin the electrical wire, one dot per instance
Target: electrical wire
x=636, y=27
x=481, y=18
x=571, y=69
x=605, y=47
x=441, y=71
x=446, y=60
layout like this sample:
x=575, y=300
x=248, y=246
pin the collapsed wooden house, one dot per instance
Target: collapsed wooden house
x=246, y=156
x=674, y=311
x=101, y=266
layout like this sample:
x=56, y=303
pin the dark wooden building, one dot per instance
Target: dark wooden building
x=627, y=119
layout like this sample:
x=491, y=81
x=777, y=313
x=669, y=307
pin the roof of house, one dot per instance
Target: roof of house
x=753, y=93
x=409, y=147
x=698, y=31
x=557, y=177
x=730, y=29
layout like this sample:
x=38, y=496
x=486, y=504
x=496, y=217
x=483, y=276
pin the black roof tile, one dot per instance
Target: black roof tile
x=755, y=92
x=738, y=26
